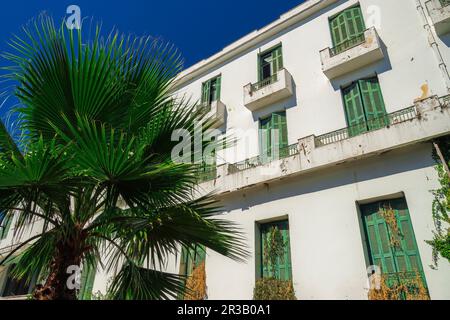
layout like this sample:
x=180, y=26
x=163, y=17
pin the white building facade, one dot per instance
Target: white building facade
x=356, y=91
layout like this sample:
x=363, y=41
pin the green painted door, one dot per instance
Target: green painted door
x=268, y=138
x=392, y=247
x=87, y=282
x=354, y=110
x=373, y=102
x=364, y=106
x=265, y=139
x=346, y=27
x=280, y=125
x=282, y=269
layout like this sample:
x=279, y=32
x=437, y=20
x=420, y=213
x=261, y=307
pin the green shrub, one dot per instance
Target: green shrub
x=274, y=289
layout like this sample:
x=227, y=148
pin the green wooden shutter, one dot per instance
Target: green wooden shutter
x=373, y=103
x=279, y=123
x=378, y=236
x=392, y=259
x=5, y=225
x=354, y=22
x=260, y=72
x=206, y=87
x=283, y=268
x=277, y=60
x=338, y=30
x=218, y=87
x=354, y=110
x=265, y=140
x=87, y=282
x=345, y=26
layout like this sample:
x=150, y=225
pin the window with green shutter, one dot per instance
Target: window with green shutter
x=211, y=90
x=87, y=282
x=5, y=225
x=270, y=127
x=191, y=258
x=391, y=242
x=270, y=62
x=347, y=29
x=364, y=106
x=275, y=260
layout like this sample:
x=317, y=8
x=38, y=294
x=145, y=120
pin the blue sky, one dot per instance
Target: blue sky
x=199, y=28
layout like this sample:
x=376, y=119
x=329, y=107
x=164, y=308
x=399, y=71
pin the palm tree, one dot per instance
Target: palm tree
x=94, y=163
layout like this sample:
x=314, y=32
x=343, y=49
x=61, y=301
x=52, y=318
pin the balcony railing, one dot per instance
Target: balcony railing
x=264, y=83
x=353, y=42
x=370, y=125
x=445, y=100
x=257, y=161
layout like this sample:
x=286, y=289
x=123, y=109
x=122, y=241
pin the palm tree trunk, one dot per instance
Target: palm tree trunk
x=59, y=284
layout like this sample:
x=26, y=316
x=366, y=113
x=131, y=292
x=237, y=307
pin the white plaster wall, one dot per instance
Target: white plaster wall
x=327, y=246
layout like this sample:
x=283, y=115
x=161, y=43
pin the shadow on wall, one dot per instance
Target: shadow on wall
x=376, y=68
x=281, y=105
x=445, y=39
x=387, y=164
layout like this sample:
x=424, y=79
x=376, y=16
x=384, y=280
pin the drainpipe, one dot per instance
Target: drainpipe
x=434, y=45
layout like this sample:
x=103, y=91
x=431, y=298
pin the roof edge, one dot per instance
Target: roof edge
x=287, y=19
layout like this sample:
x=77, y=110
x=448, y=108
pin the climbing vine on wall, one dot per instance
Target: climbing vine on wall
x=404, y=286
x=441, y=202
x=389, y=216
x=274, y=248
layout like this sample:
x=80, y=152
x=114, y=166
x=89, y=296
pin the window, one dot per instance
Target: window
x=270, y=62
x=273, y=136
x=275, y=259
x=87, y=282
x=17, y=287
x=347, y=29
x=5, y=224
x=211, y=90
x=191, y=259
x=390, y=239
x=364, y=106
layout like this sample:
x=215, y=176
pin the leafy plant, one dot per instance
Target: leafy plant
x=94, y=163
x=441, y=206
x=389, y=216
x=403, y=287
x=274, y=289
x=274, y=248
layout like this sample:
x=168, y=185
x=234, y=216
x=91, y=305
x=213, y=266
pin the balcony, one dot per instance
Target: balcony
x=352, y=55
x=214, y=111
x=425, y=120
x=257, y=161
x=439, y=11
x=277, y=87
